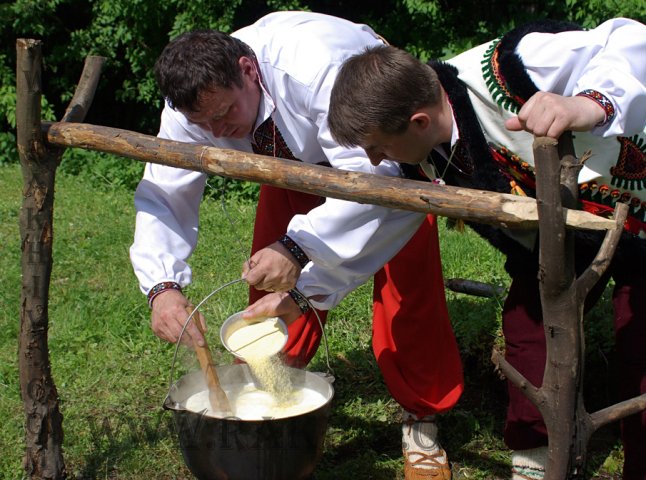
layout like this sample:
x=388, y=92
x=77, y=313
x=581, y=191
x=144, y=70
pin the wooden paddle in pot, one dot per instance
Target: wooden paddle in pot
x=217, y=396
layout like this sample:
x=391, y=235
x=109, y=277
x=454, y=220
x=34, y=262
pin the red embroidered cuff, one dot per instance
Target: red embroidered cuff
x=159, y=288
x=603, y=101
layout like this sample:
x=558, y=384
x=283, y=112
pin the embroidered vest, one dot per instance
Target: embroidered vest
x=489, y=84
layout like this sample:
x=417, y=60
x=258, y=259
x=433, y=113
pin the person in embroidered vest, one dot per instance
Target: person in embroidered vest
x=470, y=121
x=265, y=88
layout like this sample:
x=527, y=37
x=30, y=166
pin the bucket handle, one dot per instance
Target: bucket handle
x=330, y=372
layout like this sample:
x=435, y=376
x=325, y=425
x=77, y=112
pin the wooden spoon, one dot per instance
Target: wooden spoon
x=217, y=397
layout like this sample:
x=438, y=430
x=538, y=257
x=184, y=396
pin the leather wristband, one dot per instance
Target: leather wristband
x=296, y=251
x=300, y=300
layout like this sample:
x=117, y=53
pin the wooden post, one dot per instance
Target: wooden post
x=44, y=421
x=560, y=398
x=560, y=311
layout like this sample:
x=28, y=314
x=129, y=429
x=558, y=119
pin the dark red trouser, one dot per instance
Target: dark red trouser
x=525, y=338
x=413, y=341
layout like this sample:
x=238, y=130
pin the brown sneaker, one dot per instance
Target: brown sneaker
x=424, y=467
x=424, y=457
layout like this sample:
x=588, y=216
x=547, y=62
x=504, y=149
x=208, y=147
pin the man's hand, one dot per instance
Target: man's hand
x=169, y=313
x=272, y=269
x=274, y=305
x=549, y=115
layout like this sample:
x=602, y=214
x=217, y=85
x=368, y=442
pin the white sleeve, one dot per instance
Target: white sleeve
x=610, y=59
x=347, y=241
x=327, y=285
x=167, y=202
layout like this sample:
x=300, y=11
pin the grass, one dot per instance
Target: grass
x=112, y=374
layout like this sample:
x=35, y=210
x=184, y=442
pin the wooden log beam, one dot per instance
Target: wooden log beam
x=504, y=210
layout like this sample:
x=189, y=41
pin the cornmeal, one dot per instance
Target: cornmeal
x=258, y=343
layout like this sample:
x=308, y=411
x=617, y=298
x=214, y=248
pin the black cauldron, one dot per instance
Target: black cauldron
x=234, y=449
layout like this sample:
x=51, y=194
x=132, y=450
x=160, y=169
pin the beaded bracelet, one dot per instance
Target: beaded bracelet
x=603, y=102
x=296, y=251
x=300, y=300
x=159, y=288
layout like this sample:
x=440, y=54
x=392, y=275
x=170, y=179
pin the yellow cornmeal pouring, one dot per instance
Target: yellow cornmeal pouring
x=273, y=376
x=259, y=343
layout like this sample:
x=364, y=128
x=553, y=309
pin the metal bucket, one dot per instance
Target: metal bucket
x=233, y=449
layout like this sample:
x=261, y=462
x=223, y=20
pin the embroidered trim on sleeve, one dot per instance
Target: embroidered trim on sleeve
x=159, y=288
x=603, y=101
x=295, y=250
x=300, y=300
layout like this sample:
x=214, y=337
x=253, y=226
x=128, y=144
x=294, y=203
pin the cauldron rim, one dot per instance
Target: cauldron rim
x=196, y=379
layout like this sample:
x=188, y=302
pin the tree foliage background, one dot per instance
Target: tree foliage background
x=132, y=33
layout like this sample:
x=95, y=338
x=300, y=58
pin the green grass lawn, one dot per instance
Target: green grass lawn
x=112, y=373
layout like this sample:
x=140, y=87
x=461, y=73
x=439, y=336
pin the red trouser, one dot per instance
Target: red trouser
x=525, y=338
x=413, y=341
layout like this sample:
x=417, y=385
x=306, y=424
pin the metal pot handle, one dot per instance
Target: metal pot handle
x=329, y=375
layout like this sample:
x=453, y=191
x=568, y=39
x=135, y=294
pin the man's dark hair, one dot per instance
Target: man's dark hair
x=198, y=61
x=379, y=88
